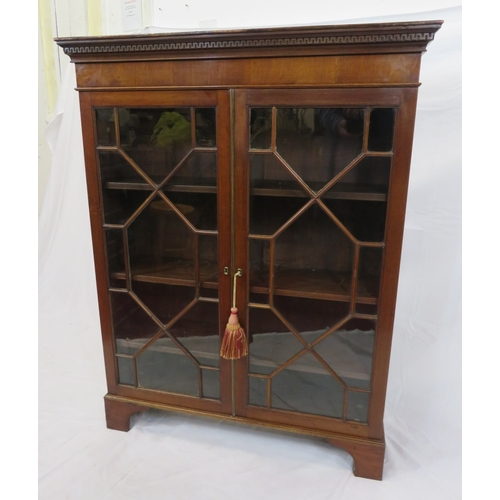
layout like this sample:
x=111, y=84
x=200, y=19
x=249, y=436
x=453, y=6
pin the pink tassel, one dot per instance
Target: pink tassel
x=234, y=343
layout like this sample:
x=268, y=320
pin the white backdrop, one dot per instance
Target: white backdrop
x=171, y=456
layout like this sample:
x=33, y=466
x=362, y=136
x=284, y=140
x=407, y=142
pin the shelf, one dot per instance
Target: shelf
x=181, y=186
x=176, y=273
x=320, y=284
x=286, y=189
x=340, y=191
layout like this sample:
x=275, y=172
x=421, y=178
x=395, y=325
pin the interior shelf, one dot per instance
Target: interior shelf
x=341, y=191
x=181, y=185
x=175, y=273
x=319, y=284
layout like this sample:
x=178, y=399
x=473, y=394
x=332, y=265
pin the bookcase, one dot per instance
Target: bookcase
x=268, y=167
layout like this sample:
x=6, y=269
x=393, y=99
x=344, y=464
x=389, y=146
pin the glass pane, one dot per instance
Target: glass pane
x=211, y=383
x=116, y=262
x=126, y=370
x=163, y=300
x=367, y=180
x=205, y=127
x=105, y=124
x=310, y=317
x=200, y=207
x=198, y=331
x=123, y=189
x=260, y=128
x=365, y=220
x=357, y=406
x=164, y=367
x=381, y=133
x=156, y=139
x=306, y=386
x=257, y=391
x=319, y=142
x=259, y=266
x=132, y=326
x=275, y=196
x=209, y=268
x=161, y=244
x=271, y=342
x=320, y=265
x=349, y=352
x=370, y=267
x=198, y=170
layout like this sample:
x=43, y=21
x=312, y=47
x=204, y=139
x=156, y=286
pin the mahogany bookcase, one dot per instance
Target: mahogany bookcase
x=282, y=156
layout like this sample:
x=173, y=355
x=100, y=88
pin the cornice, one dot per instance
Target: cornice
x=264, y=42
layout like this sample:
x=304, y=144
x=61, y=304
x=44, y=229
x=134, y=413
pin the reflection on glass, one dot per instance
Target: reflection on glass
x=319, y=142
x=306, y=386
x=156, y=139
x=205, y=127
x=260, y=128
x=381, y=134
x=357, y=406
x=105, y=124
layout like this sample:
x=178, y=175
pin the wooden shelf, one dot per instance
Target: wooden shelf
x=340, y=191
x=286, y=189
x=182, y=185
x=175, y=273
x=320, y=284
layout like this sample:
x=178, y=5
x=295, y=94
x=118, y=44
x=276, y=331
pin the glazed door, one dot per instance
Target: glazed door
x=313, y=173
x=159, y=183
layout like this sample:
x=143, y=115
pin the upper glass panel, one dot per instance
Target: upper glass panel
x=381, y=134
x=318, y=143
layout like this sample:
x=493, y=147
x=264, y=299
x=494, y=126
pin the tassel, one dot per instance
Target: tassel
x=234, y=343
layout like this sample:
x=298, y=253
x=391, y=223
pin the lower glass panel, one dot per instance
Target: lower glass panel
x=349, y=352
x=211, y=383
x=164, y=367
x=126, y=370
x=357, y=406
x=257, y=391
x=307, y=387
